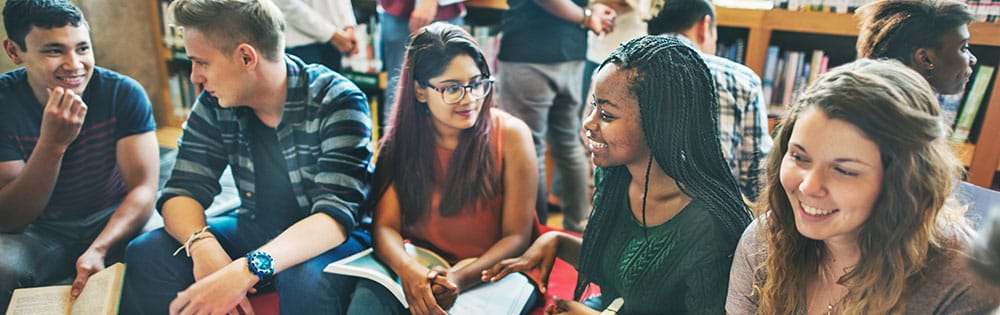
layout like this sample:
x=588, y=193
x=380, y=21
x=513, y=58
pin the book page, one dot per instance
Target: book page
x=509, y=295
x=365, y=265
x=102, y=293
x=51, y=300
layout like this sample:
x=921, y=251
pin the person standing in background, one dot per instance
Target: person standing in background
x=742, y=111
x=400, y=18
x=542, y=53
x=319, y=31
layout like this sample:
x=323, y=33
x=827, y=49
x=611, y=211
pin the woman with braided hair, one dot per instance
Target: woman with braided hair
x=858, y=217
x=668, y=213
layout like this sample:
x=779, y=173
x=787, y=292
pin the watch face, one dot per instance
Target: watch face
x=260, y=264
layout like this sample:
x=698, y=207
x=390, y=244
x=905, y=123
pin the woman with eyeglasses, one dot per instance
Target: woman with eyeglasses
x=453, y=175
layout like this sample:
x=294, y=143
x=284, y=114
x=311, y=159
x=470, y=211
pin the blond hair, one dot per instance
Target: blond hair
x=228, y=23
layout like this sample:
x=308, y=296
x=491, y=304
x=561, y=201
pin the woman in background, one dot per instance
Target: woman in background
x=929, y=36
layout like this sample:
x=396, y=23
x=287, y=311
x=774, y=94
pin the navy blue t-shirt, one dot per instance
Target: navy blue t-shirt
x=89, y=179
x=531, y=34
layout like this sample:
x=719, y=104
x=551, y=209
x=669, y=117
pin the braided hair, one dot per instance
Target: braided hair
x=678, y=108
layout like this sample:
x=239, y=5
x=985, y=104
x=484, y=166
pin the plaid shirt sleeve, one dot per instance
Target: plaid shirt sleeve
x=200, y=161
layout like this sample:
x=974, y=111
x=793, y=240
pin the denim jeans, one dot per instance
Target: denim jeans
x=46, y=252
x=395, y=37
x=547, y=98
x=155, y=276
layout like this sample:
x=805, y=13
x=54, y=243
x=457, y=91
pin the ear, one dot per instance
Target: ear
x=248, y=55
x=707, y=35
x=923, y=59
x=419, y=92
x=10, y=47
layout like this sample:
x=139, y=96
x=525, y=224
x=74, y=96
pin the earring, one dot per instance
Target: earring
x=930, y=66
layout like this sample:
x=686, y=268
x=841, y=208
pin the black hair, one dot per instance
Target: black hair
x=896, y=28
x=679, y=15
x=678, y=109
x=20, y=15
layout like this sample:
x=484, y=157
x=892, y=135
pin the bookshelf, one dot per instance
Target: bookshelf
x=163, y=106
x=982, y=158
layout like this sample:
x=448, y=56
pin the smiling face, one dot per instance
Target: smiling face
x=832, y=174
x=614, y=128
x=56, y=57
x=461, y=71
x=952, y=61
x=220, y=74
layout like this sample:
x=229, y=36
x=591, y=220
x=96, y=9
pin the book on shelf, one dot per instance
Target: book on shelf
x=973, y=100
x=949, y=108
x=506, y=296
x=99, y=297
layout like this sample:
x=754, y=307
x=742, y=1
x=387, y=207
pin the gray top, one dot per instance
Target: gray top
x=950, y=288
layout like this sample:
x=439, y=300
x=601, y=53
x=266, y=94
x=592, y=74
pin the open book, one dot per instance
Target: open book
x=99, y=297
x=507, y=296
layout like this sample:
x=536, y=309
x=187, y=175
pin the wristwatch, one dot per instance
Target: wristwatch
x=260, y=264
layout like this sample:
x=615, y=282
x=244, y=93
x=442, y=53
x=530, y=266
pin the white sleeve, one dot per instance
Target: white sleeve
x=307, y=20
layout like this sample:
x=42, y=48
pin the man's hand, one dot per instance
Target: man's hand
x=222, y=292
x=88, y=264
x=208, y=256
x=62, y=118
x=423, y=14
x=601, y=20
x=345, y=42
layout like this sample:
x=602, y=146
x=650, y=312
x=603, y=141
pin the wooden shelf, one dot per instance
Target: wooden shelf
x=167, y=137
x=982, y=159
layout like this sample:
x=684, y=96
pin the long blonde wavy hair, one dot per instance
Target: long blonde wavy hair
x=895, y=108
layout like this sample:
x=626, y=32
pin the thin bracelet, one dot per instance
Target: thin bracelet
x=193, y=237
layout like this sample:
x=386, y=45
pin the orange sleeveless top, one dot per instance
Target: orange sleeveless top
x=472, y=231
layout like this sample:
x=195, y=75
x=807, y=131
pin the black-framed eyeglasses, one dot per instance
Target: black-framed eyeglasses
x=454, y=93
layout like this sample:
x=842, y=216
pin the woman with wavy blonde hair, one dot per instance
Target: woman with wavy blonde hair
x=857, y=217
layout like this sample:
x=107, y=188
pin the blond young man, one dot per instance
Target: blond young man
x=297, y=138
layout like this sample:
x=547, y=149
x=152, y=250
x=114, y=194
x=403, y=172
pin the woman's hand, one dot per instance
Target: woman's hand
x=538, y=258
x=568, y=307
x=443, y=286
x=418, y=283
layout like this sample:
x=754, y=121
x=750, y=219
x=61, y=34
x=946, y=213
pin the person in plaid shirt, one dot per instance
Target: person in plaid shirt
x=742, y=111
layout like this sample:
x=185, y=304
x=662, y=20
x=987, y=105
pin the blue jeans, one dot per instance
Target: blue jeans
x=395, y=37
x=46, y=252
x=155, y=276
